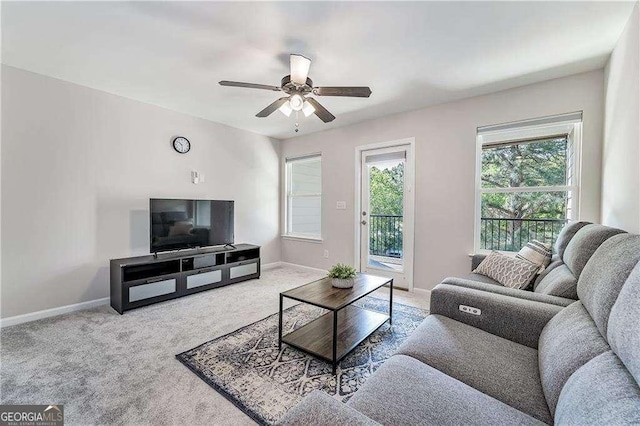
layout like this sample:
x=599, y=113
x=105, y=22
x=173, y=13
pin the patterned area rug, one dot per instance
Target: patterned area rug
x=247, y=368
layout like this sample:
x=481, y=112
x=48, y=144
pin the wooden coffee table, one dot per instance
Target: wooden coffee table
x=336, y=333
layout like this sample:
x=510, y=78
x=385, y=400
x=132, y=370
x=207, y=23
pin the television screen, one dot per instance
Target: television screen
x=179, y=224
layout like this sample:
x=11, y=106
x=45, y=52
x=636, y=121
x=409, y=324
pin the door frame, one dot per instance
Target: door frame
x=409, y=214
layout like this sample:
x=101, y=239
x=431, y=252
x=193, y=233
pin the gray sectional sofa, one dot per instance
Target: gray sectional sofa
x=535, y=363
x=574, y=247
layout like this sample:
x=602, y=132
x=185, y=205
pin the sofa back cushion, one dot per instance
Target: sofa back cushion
x=576, y=244
x=623, y=332
x=605, y=274
x=584, y=243
x=565, y=236
x=560, y=282
x=554, y=264
x=601, y=392
x=567, y=342
x=578, y=344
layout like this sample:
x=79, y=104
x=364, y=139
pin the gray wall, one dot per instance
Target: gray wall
x=78, y=169
x=621, y=148
x=445, y=170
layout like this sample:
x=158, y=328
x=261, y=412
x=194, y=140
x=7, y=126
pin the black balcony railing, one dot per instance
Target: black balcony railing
x=385, y=235
x=512, y=234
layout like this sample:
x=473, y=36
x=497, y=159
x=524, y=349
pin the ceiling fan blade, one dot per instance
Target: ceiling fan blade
x=321, y=111
x=299, y=68
x=249, y=85
x=271, y=108
x=356, y=92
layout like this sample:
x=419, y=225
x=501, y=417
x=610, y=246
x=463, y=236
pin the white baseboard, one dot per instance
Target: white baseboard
x=272, y=265
x=308, y=268
x=33, y=316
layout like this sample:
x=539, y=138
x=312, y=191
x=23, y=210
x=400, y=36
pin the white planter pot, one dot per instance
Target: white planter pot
x=340, y=283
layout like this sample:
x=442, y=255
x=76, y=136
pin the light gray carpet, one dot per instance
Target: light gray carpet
x=112, y=369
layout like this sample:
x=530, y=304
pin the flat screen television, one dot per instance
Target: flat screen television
x=180, y=224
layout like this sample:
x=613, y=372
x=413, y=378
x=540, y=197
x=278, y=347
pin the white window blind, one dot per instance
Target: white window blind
x=304, y=197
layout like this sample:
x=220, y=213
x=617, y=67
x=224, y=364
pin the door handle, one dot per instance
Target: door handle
x=364, y=222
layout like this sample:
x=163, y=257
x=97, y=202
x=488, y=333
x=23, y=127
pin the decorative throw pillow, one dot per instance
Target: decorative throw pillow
x=536, y=252
x=508, y=271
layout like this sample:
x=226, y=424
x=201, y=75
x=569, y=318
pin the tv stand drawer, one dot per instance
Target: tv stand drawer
x=154, y=289
x=243, y=270
x=204, y=278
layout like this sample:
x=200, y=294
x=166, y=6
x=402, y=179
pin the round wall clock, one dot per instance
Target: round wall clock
x=181, y=145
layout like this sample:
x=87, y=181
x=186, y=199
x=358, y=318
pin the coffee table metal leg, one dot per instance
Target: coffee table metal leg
x=280, y=325
x=391, y=302
x=335, y=340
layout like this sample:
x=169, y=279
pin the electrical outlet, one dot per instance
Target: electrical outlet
x=470, y=310
x=341, y=205
x=326, y=254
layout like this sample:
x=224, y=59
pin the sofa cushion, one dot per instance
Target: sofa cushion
x=568, y=341
x=508, y=271
x=318, y=408
x=624, y=324
x=498, y=289
x=554, y=264
x=559, y=282
x=565, y=236
x=601, y=392
x=605, y=274
x=498, y=367
x=404, y=391
x=584, y=243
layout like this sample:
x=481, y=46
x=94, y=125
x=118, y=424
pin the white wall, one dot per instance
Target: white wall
x=621, y=147
x=445, y=170
x=78, y=169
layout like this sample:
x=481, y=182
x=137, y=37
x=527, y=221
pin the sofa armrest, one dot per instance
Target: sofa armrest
x=476, y=260
x=318, y=408
x=515, y=319
x=506, y=291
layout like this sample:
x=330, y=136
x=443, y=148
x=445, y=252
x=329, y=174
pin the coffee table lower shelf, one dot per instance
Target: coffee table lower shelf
x=354, y=325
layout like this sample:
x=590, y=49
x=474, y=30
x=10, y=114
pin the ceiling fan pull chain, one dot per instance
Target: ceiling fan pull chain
x=297, y=124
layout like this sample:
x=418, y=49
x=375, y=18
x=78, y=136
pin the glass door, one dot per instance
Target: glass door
x=383, y=222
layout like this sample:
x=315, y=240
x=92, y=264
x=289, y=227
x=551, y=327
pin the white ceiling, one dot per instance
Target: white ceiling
x=412, y=55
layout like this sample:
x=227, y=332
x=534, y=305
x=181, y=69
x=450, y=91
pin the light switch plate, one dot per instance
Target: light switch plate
x=341, y=205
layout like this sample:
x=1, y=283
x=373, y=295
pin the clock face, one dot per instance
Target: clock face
x=182, y=145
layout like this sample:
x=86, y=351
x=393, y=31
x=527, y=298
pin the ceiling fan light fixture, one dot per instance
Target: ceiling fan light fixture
x=286, y=109
x=299, y=69
x=307, y=108
x=296, y=102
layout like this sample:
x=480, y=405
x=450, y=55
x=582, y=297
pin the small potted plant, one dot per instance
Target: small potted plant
x=342, y=276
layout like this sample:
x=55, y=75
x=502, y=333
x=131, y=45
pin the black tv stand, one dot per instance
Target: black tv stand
x=144, y=280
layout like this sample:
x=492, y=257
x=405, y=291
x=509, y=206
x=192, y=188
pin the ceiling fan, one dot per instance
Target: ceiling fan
x=298, y=86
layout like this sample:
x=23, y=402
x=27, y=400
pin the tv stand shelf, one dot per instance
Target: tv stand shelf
x=144, y=280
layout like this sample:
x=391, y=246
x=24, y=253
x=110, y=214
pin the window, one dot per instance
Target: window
x=527, y=183
x=304, y=197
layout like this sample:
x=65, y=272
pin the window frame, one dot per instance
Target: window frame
x=288, y=196
x=572, y=129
